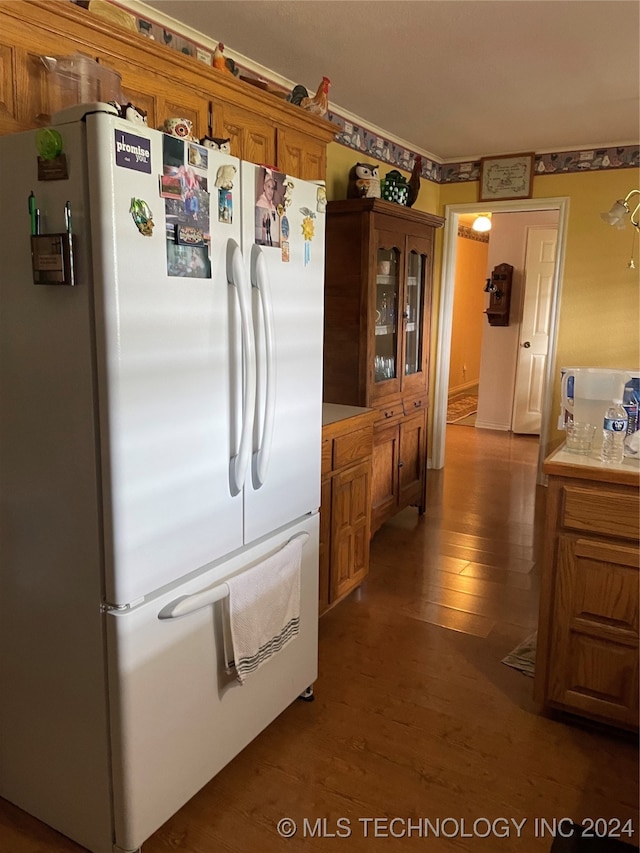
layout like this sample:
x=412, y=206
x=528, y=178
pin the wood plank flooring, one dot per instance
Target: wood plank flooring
x=415, y=716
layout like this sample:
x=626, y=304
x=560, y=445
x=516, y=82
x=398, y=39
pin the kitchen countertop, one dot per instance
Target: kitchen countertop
x=565, y=463
x=332, y=412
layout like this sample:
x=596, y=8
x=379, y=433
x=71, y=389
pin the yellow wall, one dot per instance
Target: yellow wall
x=600, y=307
x=469, y=300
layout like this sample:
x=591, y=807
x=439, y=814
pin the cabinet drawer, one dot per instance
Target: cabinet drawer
x=415, y=404
x=601, y=510
x=387, y=413
x=353, y=446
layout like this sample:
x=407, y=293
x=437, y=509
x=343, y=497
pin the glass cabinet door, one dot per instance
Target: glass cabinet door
x=386, y=314
x=413, y=312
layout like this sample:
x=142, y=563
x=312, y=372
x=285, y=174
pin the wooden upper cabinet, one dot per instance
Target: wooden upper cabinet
x=298, y=155
x=159, y=99
x=263, y=128
x=253, y=138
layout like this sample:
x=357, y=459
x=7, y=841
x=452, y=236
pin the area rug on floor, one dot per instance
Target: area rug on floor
x=575, y=842
x=460, y=408
x=523, y=657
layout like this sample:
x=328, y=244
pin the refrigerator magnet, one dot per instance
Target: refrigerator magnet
x=285, y=251
x=321, y=200
x=225, y=176
x=308, y=231
x=225, y=206
x=187, y=235
x=142, y=216
x=52, y=163
x=287, y=198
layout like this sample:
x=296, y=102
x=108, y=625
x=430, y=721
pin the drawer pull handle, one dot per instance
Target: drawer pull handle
x=417, y=403
x=388, y=414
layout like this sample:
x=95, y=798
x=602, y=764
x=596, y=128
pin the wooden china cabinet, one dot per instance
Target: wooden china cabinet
x=378, y=282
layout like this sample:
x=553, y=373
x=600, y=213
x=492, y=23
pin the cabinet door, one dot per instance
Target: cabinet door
x=161, y=97
x=350, y=500
x=300, y=155
x=252, y=137
x=416, y=304
x=384, y=486
x=593, y=668
x=411, y=463
x=384, y=316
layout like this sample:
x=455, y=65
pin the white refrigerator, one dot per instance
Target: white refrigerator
x=160, y=431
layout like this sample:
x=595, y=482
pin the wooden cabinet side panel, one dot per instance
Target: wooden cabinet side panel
x=8, y=83
x=325, y=545
x=345, y=306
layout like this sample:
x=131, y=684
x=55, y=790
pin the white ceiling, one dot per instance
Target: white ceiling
x=457, y=79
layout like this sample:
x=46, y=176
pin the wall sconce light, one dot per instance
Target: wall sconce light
x=482, y=223
x=620, y=209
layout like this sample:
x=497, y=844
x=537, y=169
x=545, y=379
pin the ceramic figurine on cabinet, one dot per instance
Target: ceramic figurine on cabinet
x=395, y=187
x=220, y=62
x=180, y=127
x=217, y=143
x=130, y=112
x=317, y=105
x=364, y=181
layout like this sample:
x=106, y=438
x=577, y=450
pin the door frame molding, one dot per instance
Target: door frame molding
x=452, y=214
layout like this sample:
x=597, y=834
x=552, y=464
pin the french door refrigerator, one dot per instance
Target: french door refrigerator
x=160, y=432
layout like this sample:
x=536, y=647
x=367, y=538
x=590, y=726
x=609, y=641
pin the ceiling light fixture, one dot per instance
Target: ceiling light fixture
x=620, y=209
x=482, y=222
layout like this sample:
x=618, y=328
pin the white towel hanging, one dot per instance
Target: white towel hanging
x=263, y=610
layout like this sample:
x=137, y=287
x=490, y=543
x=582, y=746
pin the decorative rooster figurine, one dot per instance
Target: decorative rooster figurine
x=219, y=61
x=414, y=181
x=318, y=105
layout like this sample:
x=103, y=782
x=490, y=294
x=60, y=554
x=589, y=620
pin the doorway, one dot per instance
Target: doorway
x=443, y=345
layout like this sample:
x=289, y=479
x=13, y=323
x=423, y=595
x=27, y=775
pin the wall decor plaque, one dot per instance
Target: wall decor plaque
x=506, y=177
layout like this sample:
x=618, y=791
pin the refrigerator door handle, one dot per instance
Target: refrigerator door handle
x=260, y=280
x=197, y=600
x=236, y=278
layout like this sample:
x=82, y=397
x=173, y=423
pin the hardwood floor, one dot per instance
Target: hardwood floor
x=415, y=716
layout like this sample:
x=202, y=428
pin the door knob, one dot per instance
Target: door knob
x=526, y=344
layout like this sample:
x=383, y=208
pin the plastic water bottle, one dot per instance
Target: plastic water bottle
x=614, y=432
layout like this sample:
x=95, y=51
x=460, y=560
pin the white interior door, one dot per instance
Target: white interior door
x=534, y=330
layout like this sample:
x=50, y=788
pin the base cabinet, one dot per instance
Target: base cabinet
x=345, y=511
x=587, y=659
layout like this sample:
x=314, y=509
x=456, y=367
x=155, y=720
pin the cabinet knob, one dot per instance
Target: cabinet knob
x=400, y=463
x=526, y=344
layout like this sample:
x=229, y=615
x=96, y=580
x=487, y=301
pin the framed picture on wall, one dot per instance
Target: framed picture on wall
x=506, y=177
